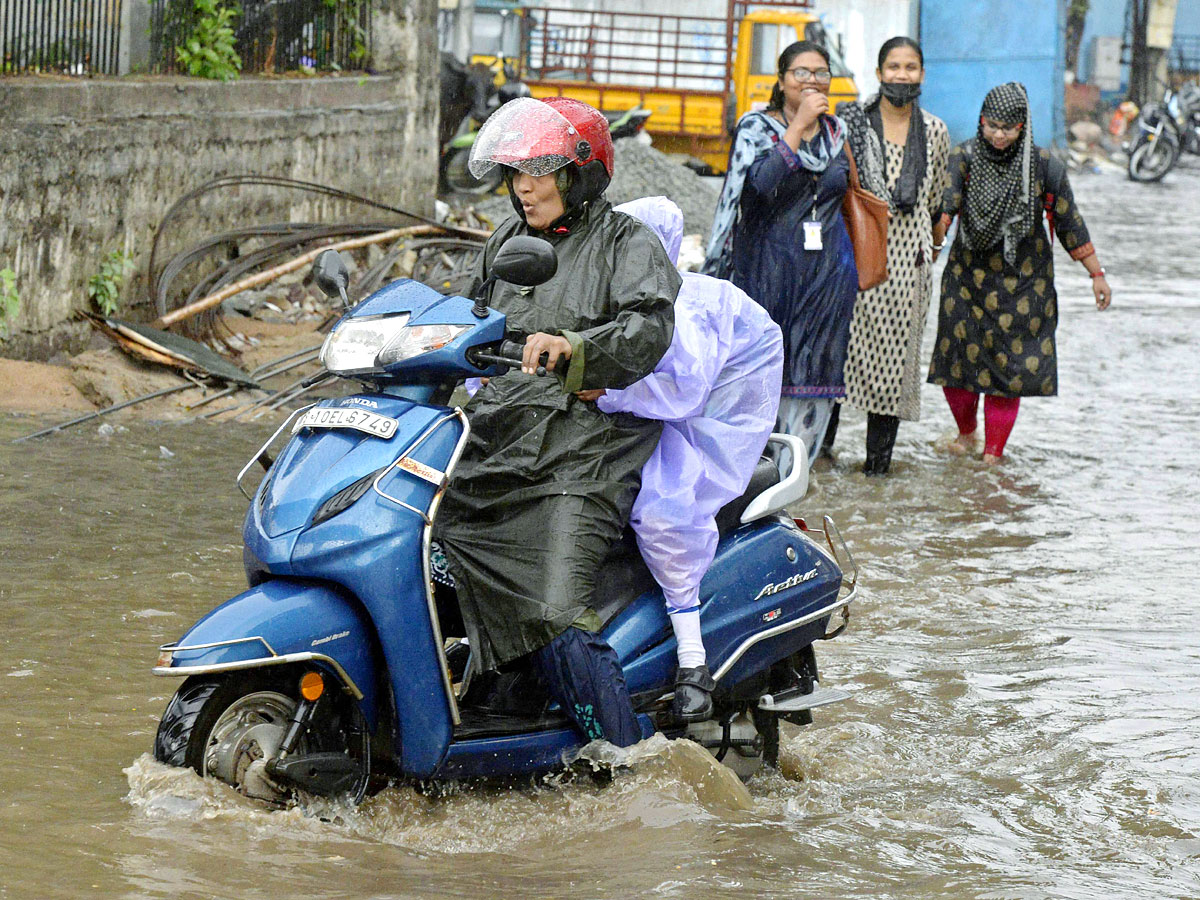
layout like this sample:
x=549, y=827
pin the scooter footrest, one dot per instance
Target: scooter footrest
x=790, y=701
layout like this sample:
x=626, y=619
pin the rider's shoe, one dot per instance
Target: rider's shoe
x=693, y=694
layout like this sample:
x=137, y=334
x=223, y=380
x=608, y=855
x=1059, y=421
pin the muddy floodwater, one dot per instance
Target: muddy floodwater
x=1024, y=663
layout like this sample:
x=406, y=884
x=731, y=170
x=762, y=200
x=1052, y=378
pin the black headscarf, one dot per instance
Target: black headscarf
x=1000, y=201
x=912, y=170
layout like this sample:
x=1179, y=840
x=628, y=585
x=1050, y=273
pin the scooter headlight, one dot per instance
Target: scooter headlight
x=353, y=347
x=418, y=339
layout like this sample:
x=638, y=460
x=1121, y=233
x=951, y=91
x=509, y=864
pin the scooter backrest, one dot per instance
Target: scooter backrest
x=791, y=489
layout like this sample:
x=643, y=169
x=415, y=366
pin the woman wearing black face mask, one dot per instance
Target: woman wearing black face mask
x=901, y=152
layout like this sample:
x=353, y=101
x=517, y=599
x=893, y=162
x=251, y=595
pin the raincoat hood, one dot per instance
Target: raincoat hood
x=663, y=217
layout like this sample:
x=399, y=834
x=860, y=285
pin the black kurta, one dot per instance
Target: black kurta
x=546, y=482
x=996, y=322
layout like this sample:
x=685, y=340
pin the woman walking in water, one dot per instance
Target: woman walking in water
x=999, y=309
x=901, y=151
x=778, y=234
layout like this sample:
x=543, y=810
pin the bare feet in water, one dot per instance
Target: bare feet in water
x=991, y=460
x=961, y=445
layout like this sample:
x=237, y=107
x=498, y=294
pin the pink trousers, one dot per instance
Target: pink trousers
x=999, y=415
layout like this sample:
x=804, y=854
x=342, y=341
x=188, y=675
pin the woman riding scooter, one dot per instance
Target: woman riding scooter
x=546, y=482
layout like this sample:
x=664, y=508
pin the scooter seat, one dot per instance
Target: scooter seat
x=766, y=475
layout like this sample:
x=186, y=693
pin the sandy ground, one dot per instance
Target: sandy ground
x=105, y=375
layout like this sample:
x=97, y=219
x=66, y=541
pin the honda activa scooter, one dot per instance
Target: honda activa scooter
x=331, y=674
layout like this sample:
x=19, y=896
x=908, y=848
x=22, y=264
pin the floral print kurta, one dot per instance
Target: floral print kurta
x=996, y=321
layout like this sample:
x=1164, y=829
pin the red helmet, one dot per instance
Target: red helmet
x=538, y=137
x=592, y=127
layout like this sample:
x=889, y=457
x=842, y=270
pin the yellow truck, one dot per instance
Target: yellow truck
x=697, y=74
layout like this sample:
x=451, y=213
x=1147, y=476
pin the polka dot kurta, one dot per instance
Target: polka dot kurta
x=883, y=361
x=996, y=321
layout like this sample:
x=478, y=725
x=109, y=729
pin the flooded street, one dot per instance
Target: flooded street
x=1023, y=660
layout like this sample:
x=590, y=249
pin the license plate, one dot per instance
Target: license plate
x=359, y=419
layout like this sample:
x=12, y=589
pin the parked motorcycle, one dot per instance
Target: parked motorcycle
x=331, y=672
x=1164, y=131
x=453, y=174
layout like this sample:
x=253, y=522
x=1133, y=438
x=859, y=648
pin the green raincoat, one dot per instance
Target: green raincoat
x=547, y=481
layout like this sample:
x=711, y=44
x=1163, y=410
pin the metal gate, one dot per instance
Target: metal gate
x=62, y=37
x=274, y=35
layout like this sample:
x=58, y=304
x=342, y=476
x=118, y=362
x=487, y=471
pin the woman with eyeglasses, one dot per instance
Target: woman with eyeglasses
x=778, y=234
x=999, y=309
x=901, y=152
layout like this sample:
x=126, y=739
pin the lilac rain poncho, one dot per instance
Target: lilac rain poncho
x=717, y=389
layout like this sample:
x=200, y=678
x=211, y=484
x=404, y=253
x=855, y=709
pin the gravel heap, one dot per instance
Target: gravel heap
x=642, y=171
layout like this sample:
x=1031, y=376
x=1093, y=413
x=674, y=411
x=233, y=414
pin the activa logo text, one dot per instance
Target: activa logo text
x=360, y=401
x=769, y=589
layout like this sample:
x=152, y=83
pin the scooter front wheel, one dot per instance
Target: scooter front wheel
x=231, y=727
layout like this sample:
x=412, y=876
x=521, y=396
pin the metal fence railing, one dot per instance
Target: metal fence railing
x=274, y=35
x=65, y=37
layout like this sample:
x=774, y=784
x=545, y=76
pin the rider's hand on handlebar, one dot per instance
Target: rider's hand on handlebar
x=552, y=345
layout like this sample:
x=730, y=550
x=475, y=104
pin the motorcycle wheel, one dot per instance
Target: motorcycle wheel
x=1151, y=160
x=458, y=178
x=227, y=727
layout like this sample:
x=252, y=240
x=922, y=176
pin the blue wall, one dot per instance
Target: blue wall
x=972, y=45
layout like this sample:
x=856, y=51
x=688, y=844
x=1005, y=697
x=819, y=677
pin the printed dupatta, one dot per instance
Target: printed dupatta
x=757, y=134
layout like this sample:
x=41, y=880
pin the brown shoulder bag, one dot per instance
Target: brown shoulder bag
x=866, y=219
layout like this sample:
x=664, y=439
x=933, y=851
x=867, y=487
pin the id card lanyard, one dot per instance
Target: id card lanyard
x=812, y=226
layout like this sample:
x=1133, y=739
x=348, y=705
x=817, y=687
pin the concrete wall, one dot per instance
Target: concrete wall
x=88, y=167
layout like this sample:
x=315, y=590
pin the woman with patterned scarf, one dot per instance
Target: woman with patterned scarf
x=999, y=309
x=778, y=234
x=901, y=152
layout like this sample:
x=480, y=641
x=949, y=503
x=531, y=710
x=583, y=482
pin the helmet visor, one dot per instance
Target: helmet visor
x=526, y=134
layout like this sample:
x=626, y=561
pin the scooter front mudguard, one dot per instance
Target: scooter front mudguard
x=282, y=621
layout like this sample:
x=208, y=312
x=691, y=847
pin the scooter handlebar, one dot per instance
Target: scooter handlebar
x=514, y=353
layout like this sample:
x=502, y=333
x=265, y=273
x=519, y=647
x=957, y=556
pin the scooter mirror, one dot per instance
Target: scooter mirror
x=331, y=275
x=525, y=260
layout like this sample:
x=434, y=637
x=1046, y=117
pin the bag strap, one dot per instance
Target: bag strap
x=854, y=182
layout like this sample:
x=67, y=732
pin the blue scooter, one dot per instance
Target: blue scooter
x=332, y=672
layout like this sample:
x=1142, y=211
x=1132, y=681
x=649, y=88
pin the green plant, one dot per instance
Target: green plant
x=104, y=288
x=208, y=51
x=9, y=301
x=349, y=15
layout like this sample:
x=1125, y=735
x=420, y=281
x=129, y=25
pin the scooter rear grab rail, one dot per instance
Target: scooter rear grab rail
x=849, y=567
x=842, y=602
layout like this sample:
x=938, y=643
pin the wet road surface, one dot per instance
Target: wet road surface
x=1024, y=664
